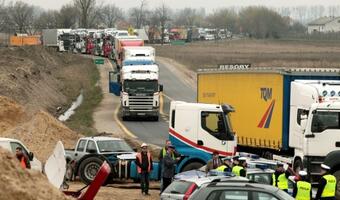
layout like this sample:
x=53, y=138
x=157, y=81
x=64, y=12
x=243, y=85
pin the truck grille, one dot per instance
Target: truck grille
x=141, y=103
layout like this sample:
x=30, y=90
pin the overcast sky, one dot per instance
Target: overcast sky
x=208, y=4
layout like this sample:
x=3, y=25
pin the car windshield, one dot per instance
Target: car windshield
x=113, y=146
x=177, y=187
x=140, y=86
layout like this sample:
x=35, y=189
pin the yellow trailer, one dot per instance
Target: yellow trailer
x=257, y=99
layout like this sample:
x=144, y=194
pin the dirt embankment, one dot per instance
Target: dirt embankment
x=40, y=78
x=17, y=184
x=39, y=131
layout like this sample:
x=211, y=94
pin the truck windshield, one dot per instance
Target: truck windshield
x=113, y=146
x=141, y=86
x=323, y=120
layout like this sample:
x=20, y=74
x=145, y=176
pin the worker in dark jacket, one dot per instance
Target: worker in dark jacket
x=327, y=184
x=169, y=164
x=144, y=167
x=280, y=177
x=302, y=189
x=161, y=155
x=240, y=169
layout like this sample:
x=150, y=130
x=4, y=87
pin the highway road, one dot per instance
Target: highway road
x=175, y=88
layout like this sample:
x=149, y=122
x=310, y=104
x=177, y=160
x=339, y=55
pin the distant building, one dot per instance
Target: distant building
x=324, y=25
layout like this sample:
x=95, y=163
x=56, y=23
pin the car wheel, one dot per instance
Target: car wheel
x=88, y=169
x=191, y=166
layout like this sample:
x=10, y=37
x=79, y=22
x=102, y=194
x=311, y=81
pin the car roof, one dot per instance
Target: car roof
x=258, y=170
x=202, y=180
x=2, y=139
x=101, y=138
x=265, y=187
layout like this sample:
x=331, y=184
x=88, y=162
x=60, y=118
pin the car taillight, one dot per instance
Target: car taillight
x=190, y=190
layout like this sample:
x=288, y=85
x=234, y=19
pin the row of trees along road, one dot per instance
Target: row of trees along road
x=259, y=22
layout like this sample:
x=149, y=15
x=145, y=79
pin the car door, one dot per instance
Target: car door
x=80, y=150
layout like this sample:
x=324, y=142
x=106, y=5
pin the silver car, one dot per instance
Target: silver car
x=182, y=189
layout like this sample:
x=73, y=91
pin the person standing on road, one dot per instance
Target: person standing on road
x=144, y=167
x=226, y=165
x=280, y=177
x=168, y=167
x=240, y=169
x=162, y=154
x=302, y=189
x=327, y=184
x=214, y=162
x=23, y=158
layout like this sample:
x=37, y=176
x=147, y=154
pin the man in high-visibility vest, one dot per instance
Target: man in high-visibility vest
x=280, y=177
x=144, y=167
x=302, y=189
x=327, y=184
x=240, y=169
x=226, y=165
x=23, y=158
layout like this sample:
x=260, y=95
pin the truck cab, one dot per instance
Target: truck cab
x=11, y=145
x=197, y=130
x=315, y=132
x=139, y=90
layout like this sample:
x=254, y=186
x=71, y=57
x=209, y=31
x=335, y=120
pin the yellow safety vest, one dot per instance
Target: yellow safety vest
x=236, y=170
x=164, y=153
x=221, y=168
x=330, y=187
x=282, y=182
x=303, y=190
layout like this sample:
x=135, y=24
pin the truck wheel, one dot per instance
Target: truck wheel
x=337, y=176
x=88, y=169
x=155, y=118
x=191, y=166
x=297, y=166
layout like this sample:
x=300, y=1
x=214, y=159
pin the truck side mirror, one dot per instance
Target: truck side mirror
x=30, y=156
x=161, y=88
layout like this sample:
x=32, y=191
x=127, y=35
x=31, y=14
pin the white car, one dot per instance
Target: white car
x=11, y=145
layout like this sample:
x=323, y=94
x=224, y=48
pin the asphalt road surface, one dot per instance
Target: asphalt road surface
x=175, y=88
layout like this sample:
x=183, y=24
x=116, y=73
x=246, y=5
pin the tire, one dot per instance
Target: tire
x=191, y=166
x=337, y=176
x=297, y=166
x=88, y=169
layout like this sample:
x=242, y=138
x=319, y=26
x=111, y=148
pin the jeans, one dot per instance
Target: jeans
x=166, y=183
x=144, y=182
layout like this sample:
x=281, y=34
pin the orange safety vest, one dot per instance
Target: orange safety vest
x=23, y=162
x=139, y=158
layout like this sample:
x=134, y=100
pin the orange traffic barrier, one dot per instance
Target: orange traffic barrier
x=25, y=40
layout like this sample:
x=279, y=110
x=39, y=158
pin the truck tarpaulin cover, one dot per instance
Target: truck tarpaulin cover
x=132, y=43
x=258, y=102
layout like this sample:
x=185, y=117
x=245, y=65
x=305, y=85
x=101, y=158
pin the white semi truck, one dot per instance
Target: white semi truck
x=287, y=114
x=55, y=38
x=139, y=90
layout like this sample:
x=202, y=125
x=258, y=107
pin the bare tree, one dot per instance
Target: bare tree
x=223, y=19
x=22, y=16
x=4, y=17
x=187, y=17
x=87, y=11
x=163, y=16
x=110, y=14
x=138, y=14
x=67, y=16
x=47, y=20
